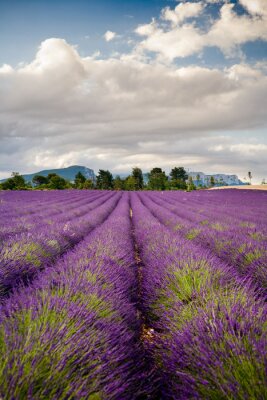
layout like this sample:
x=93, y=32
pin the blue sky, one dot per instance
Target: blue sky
x=116, y=84
x=25, y=24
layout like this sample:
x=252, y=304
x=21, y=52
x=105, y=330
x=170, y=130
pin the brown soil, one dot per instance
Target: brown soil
x=251, y=187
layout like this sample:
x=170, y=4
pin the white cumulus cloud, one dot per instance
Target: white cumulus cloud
x=182, y=12
x=258, y=7
x=109, y=35
x=181, y=39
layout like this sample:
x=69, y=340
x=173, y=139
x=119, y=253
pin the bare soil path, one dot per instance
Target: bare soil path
x=251, y=187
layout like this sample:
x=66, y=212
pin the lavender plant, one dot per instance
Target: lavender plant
x=22, y=257
x=147, y=296
x=246, y=251
x=73, y=333
x=209, y=326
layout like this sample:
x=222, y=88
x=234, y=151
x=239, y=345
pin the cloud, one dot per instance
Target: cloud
x=62, y=109
x=232, y=30
x=181, y=39
x=109, y=35
x=255, y=7
x=249, y=149
x=177, y=42
x=216, y=1
x=182, y=12
x=6, y=69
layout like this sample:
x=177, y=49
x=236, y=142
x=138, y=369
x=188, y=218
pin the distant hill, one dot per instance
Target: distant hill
x=220, y=179
x=66, y=173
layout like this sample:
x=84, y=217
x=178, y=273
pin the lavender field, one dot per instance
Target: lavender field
x=133, y=295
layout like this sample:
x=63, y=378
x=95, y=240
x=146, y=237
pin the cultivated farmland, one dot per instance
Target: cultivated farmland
x=133, y=295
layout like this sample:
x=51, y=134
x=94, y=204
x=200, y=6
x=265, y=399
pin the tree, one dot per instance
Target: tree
x=16, y=182
x=178, y=184
x=249, y=177
x=88, y=184
x=49, y=176
x=191, y=185
x=118, y=183
x=178, y=173
x=79, y=180
x=9, y=184
x=157, y=179
x=57, y=182
x=138, y=176
x=130, y=183
x=39, y=180
x=178, y=178
x=212, y=181
x=51, y=181
x=104, y=180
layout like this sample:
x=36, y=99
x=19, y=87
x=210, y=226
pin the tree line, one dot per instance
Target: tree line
x=156, y=180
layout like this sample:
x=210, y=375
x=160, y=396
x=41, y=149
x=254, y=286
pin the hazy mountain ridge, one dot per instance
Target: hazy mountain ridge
x=66, y=173
x=204, y=179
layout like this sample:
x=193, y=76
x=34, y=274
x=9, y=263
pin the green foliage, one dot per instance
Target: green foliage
x=157, y=179
x=8, y=184
x=79, y=180
x=178, y=184
x=138, y=178
x=19, y=181
x=191, y=185
x=51, y=181
x=118, y=183
x=34, y=328
x=40, y=180
x=192, y=234
x=178, y=173
x=16, y=182
x=57, y=182
x=49, y=176
x=31, y=252
x=212, y=181
x=88, y=184
x=130, y=183
x=178, y=177
x=104, y=180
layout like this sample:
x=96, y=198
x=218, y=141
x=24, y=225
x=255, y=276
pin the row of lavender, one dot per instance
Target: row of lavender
x=73, y=333
x=236, y=239
x=22, y=214
x=133, y=304
x=206, y=329
x=243, y=205
x=23, y=255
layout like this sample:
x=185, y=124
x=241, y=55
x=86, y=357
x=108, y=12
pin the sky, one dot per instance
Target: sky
x=148, y=83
